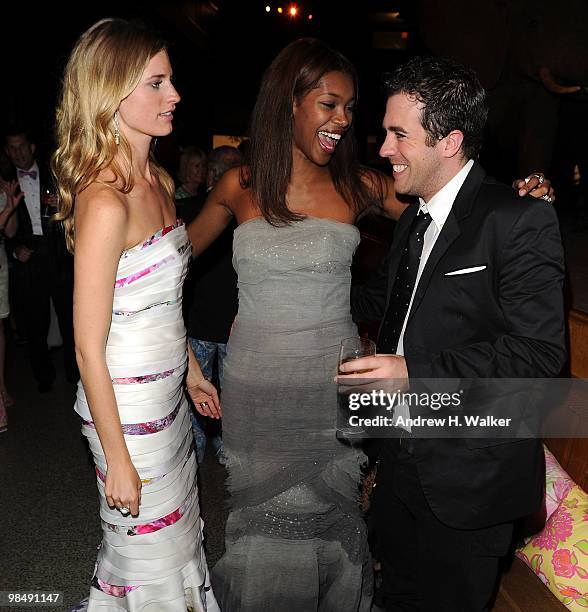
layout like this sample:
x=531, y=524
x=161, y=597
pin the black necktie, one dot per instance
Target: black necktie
x=403, y=285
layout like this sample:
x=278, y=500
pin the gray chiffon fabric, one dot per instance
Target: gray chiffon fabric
x=295, y=539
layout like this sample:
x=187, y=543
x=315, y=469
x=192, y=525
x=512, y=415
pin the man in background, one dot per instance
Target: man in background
x=43, y=269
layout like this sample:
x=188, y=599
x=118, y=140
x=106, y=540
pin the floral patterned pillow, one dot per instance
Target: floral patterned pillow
x=559, y=553
x=557, y=483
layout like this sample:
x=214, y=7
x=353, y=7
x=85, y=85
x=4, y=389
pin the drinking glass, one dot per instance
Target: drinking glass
x=351, y=349
x=354, y=348
x=48, y=204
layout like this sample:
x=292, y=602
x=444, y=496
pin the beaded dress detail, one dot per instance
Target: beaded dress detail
x=154, y=561
x=295, y=539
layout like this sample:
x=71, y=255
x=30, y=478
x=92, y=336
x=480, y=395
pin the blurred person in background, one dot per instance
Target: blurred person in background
x=43, y=269
x=192, y=178
x=209, y=320
x=9, y=200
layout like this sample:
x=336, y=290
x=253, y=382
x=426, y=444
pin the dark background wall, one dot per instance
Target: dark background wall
x=218, y=50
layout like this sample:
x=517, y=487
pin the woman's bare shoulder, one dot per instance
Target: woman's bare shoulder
x=100, y=202
x=382, y=188
x=376, y=180
x=231, y=191
x=233, y=181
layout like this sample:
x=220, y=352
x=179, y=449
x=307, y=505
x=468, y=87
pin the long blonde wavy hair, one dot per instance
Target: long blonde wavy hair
x=104, y=67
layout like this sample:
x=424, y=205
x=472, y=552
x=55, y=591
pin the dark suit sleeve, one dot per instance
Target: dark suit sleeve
x=368, y=301
x=530, y=296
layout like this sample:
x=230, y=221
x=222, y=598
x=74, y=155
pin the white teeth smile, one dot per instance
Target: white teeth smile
x=335, y=137
x=399, y=167
x=166, y=114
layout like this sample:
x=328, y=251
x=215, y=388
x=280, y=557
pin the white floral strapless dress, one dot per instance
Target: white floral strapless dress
x=154, y=561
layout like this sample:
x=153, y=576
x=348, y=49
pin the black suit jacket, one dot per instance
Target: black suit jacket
x=51, y=246
x=506, y=321
x=24, y=234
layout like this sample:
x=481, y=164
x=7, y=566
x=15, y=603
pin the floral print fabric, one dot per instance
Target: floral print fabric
x=156, y=525
x=146, y=378
x=558, y=554
x=140, y=429
x=112, y=589
x=557, y=483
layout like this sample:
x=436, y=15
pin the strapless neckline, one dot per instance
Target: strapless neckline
x=160, y=233
x=306, y=218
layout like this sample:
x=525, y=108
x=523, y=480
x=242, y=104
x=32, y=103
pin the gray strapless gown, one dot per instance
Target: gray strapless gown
x=295, y=539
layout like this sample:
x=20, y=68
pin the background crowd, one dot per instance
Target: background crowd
x=538, y=122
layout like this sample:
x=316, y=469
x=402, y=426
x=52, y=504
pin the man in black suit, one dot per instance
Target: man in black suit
x=471, y=288
x=43, y=270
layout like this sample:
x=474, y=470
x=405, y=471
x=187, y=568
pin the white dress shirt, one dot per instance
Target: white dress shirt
x=32, y=193
x=439, y=207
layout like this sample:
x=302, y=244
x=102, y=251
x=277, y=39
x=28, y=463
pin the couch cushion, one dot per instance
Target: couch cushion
x=559, y=553
x=557, y=483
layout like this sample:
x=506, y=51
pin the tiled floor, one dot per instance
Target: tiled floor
x=49, y=526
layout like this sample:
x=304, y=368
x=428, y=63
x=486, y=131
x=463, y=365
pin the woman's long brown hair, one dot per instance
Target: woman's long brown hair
x=294, y=72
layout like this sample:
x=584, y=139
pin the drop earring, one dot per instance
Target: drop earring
x=116, y=130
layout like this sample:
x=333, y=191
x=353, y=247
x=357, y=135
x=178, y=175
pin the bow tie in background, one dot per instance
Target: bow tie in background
x=31, y=173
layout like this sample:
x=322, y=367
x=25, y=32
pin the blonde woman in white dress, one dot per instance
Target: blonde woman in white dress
x=117, y=208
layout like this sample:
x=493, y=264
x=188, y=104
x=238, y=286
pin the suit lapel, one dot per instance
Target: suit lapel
x=25, y=221
x=462, y=207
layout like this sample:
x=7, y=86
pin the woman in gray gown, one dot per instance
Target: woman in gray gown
x=295, y=539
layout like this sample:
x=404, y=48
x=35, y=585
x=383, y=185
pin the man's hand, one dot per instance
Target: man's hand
x=535, y=185
x=552, y=85
x=376, y=366
x=23, y=253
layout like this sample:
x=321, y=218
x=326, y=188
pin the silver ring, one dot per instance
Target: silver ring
x=124, y=511
x=539, y=177
x=547, y=198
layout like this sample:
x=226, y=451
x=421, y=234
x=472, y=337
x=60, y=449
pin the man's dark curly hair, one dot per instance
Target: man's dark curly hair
x=452, y=96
